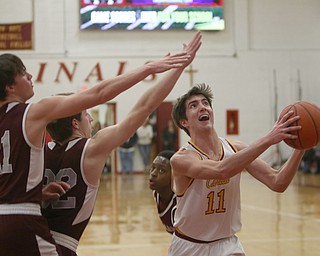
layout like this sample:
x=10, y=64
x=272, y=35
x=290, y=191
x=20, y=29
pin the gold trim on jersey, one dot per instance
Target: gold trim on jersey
x=184, y=191
x=197, y=153
x=234, y=148
x=221, y=153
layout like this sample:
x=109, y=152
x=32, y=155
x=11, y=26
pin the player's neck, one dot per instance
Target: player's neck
x=209, y=144
x=205, y=139
x=9, y=100
x=165, y=195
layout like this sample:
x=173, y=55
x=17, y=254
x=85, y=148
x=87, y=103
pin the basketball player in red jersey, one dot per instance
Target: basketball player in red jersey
x=206, y=177
x=77, y=159
x=22, y=130
x=160, y=183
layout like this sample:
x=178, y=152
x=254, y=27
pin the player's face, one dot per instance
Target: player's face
x=160, y=174
x=86, y=124
x=198, y=112
x=23, y=86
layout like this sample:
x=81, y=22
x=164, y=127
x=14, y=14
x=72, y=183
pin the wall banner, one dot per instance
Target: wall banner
x=17, y=36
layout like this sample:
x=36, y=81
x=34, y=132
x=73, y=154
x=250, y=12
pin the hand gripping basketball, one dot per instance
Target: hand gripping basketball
x=309, y=135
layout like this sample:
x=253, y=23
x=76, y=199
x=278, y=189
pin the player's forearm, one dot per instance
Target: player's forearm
x=155, y=95
x=239, y=161
x=287, y=172
x=108, y=89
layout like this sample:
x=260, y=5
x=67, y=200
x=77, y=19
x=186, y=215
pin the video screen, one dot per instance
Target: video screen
x=152, y=14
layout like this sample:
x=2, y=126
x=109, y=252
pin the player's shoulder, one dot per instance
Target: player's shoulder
x=184, y=155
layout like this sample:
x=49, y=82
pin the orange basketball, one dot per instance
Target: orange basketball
x=309, y=135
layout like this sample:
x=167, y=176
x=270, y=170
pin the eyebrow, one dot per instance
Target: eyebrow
x=195, y=101
x=191, y=102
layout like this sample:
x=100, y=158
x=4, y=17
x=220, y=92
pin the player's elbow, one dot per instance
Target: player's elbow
x=279, y=190
x=279, y=187
x=227, y=172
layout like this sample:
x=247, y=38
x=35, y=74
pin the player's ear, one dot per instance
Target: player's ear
x=183, y=123
x=9, y=87
x=75, y=123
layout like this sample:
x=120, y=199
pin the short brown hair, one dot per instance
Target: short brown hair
x=10, y=66
x=179, y=108
x=61, y=129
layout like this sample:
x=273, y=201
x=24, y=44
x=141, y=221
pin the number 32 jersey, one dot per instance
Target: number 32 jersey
x=69, y=216
x=209, y=210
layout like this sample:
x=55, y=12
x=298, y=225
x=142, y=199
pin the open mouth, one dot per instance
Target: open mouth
x=204, y=117
x=152, y=184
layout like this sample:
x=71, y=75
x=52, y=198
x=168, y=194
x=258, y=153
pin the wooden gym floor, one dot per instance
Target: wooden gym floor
x=125, y=220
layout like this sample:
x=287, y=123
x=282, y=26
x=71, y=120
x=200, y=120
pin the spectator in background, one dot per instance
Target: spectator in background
x=145, y=135
x=169, y=136
x=317, y=158
x=311, y=161
x=126, y=151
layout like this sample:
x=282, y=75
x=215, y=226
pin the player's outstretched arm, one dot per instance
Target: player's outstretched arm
x=111, y=137
x=51, y=108
x=57, y=107
x=149, y=101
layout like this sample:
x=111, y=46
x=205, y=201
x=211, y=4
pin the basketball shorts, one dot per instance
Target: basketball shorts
x=230, y=246
x=26, y=235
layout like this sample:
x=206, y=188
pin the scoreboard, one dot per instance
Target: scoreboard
x=152, y=14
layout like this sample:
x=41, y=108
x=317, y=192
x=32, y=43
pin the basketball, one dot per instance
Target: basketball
x=309, y=134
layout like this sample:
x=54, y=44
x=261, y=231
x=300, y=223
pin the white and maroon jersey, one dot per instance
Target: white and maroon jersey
x=21, y=164
x=69, y=216
x=209, y=210
x=166, y=211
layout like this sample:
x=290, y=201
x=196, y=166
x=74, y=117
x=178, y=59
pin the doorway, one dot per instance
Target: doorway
x=163, y=113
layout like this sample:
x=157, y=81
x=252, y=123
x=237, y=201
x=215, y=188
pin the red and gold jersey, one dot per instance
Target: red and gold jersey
x=209, y=210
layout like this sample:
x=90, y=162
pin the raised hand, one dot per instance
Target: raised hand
x=284, y=128
x=178, y=60
x=168, y=62
x=192, y=47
